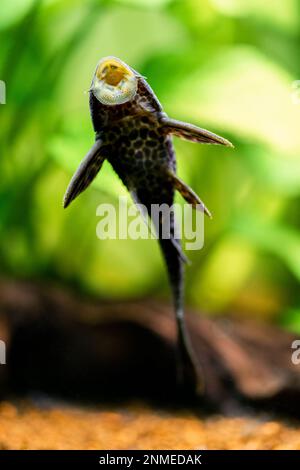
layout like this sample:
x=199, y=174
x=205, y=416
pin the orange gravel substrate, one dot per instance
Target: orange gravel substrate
x=26, y=426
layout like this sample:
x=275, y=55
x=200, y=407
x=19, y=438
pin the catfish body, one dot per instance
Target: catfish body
x=135, y=136
x=142, y=154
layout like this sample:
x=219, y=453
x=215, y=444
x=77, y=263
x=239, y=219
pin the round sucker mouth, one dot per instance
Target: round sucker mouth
x=112, y=75
x=114, y=83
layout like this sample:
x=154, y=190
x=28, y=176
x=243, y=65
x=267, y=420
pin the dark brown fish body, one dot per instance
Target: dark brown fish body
x=135, y=137
x=138, y=148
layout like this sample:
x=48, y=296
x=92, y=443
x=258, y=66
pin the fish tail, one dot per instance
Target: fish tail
x=187, y=369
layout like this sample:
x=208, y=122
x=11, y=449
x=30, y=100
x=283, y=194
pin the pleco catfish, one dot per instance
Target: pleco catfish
x=135, y=135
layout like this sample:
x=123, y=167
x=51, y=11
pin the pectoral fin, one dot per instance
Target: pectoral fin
x=188, y=194
x=86, y=172
x=192, y=133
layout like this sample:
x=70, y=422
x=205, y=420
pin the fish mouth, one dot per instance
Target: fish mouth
x=114, y=82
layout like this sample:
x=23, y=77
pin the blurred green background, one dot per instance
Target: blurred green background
x=227, y=65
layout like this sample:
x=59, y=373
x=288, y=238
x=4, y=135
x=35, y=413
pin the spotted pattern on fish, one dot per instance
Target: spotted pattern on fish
x=141, y=154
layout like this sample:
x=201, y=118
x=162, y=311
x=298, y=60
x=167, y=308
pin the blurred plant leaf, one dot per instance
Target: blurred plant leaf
x=245, y=93
x=291, y=320
x=277, y=239
x=145, y=3
x=277, y=171
x=14, y=11
x=281, y=13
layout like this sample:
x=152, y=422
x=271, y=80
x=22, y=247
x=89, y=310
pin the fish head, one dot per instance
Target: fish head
x=114, y=82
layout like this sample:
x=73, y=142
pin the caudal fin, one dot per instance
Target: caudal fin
x=188, y=370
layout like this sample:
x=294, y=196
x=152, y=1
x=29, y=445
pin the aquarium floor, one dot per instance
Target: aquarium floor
x=27, y=425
